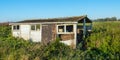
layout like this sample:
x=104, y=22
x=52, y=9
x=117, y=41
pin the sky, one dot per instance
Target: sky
x=17, y=10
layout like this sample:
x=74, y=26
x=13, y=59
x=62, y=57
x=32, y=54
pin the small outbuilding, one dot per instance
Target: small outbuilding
x=70, y=30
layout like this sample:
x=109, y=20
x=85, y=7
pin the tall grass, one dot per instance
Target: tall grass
x=106, y=37
x=102, y=44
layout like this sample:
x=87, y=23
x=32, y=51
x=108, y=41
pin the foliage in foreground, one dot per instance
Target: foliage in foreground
x=106, y=37
x=102, y=44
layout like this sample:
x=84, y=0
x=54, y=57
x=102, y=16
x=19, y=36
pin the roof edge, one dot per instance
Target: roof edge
x=43, y=23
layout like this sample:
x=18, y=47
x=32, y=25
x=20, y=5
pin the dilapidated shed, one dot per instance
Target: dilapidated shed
x=69, y=29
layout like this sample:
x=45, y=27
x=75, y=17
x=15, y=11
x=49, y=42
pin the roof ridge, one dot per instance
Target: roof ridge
x=56, y=18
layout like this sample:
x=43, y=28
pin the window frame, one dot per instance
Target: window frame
x=16, y=27
x=65, y=29
x=35, y=27
x=69, y=27
x=32, y=28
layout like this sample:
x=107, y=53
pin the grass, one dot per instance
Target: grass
x=102, y=44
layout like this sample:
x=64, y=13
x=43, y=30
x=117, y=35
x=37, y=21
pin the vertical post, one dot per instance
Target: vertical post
x=84, y=28
x=65, y=28
x=91, y=26
x=57, y=28
x=12, y=29
x=40, y=32
x=75, y=35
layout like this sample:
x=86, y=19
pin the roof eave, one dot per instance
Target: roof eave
x=44, y=23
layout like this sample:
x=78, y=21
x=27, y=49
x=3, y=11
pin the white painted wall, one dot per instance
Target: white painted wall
x=26, y=33
x=35, y=36
x=16, y=33
x=68, y=42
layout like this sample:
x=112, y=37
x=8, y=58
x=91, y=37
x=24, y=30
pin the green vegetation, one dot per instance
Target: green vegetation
x=107, y=19
x=102, y=44
x=106, y=38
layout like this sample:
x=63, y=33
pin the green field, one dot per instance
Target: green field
x=102, y=44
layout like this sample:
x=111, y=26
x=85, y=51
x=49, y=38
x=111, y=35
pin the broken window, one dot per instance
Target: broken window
x=69, y=28
x=65, y=28
x=16, y=27
x=60, y=28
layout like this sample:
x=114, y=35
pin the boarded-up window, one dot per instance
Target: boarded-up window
x=16, y=27
x=69, y=28
x=60, y=28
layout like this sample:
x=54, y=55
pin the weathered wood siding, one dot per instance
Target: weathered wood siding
x=67, y=37
x=48, y=32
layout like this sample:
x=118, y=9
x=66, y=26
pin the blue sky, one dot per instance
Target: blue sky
x=16, y=10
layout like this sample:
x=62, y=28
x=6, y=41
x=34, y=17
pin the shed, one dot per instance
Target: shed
x=70, y=30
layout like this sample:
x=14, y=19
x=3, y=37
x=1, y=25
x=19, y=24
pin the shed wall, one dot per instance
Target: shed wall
x=25, y=31
x=67, y=37
x=16, y=33
x=35, y=36
x=48, y=32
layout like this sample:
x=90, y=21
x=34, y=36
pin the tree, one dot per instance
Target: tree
x=113, y=19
